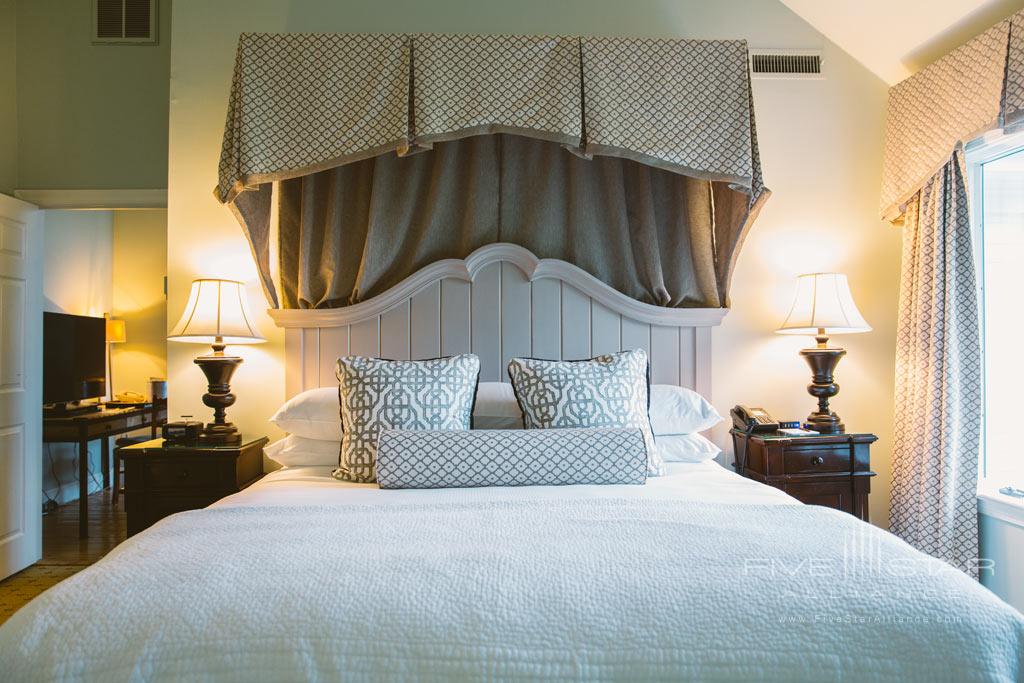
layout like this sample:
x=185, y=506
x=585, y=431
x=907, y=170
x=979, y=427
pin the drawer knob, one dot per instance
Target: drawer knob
x=183, y=474
x=818, y=460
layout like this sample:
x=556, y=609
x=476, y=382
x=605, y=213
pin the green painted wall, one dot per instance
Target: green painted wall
x=88, y=116
x=8, y=107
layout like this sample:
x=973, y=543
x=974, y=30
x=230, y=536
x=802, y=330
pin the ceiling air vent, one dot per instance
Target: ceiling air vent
x=802, y=64
x=131, y=22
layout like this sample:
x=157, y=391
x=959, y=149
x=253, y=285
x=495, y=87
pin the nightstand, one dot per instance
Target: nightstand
x=161, y=479
x=833, y=470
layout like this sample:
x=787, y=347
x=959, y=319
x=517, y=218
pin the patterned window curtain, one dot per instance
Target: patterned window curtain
x=938, y=375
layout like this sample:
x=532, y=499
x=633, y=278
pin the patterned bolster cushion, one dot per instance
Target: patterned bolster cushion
x=377, y=394
x=509, y=457
x=612, y=390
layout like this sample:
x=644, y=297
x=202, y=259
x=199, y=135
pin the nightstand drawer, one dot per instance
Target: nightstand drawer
x=181, y=473
x=815, y=459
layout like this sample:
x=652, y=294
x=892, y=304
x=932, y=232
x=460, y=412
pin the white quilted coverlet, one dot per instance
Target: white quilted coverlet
x=616, y=588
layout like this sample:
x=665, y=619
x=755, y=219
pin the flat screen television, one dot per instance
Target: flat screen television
x=74, y=357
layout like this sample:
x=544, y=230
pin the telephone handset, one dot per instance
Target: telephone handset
x=753, y=420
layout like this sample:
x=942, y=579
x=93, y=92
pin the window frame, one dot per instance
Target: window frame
x=979, y=152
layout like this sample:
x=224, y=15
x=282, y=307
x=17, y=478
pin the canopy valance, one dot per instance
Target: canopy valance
x=974, y=89
x=305, y=103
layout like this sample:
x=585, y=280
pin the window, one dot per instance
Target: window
x=997, y=206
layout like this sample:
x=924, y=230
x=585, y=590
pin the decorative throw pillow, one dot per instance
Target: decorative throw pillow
x=606, y=391
x=378, y=394
x=505, y=457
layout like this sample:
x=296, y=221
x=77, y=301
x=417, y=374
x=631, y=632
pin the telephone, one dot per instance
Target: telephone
x=753, y=419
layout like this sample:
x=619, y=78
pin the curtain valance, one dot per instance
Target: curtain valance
x=305, y=103
x=975, y=88
x=301, y=103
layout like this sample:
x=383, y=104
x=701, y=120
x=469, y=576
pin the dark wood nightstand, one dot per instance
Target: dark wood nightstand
x=833, y=470
x=160, y=479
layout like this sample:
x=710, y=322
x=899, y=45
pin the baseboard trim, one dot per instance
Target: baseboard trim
x=95, y=199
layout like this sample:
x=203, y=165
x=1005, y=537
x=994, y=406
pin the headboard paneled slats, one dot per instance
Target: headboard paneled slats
x=546, y=300
x=425, y=323
x=455, y=316
x=499, y=303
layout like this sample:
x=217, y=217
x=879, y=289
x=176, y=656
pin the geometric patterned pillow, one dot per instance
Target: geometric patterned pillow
x=607, y=391
x=376, y=394
x=510, y=457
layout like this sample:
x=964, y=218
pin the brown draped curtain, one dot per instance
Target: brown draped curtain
x=351, y=232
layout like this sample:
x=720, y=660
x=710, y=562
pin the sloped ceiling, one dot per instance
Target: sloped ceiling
x=895, y=38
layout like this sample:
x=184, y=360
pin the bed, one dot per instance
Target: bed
x=699, y=574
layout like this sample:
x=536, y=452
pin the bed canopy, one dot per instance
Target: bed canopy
x=635, y=159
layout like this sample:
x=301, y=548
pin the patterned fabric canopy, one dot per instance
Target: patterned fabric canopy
x=976, y=88
x=305, y=103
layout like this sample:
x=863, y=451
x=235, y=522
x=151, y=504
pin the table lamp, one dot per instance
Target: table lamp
x=217, y=313
x=823, y=306
x=115, y=335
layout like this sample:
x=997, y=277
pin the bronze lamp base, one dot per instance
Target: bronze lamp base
x=218, y=369
x=823, y=361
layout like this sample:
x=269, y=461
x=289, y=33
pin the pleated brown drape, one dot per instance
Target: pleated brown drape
x=351, y=232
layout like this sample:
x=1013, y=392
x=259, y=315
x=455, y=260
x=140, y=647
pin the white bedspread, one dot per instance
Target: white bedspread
x=313, y=580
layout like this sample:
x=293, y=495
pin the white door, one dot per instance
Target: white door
x=21, y=379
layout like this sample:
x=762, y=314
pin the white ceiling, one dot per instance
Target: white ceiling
x=895, y=38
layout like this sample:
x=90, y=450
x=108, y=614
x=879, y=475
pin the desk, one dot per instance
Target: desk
x=103, y=424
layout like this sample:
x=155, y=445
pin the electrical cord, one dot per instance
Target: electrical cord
x=51, y=502
x=741, y=460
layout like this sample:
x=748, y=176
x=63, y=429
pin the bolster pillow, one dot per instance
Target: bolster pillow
x=430, y=459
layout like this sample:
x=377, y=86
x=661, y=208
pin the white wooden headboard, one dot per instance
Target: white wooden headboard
x=500, y=302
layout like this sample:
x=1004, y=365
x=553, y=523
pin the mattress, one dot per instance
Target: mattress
x=698, y=575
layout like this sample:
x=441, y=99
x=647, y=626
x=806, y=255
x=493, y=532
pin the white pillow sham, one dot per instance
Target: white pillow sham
x=496, y=407
x=685, y=448
x=299, y=451
x=313, y=414
x=678, y=410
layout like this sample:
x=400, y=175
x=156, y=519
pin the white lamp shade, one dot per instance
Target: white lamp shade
x=216, y=309
x=823, y=301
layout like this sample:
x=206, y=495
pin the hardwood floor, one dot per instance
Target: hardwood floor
x=64, y=554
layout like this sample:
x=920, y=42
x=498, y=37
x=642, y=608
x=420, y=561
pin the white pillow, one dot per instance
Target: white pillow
x=677, y=410
x=496, y=407
x=298, y=451
x=313, y=414
x=685, y=448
